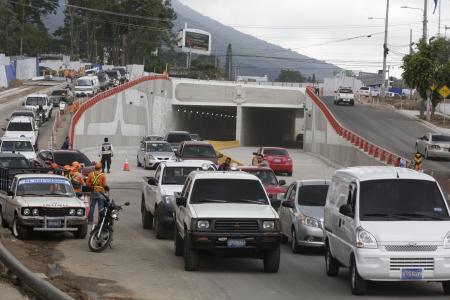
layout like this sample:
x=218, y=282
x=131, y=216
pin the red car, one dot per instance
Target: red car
x=195, y=150
x=274, y=187
x=45, y=158
x=278, y=159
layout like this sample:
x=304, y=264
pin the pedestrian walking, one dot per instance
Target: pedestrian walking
x=106, y=153
x=96, y=182
x=66, y=144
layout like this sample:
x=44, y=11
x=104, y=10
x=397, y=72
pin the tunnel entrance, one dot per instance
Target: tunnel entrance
x=263, y=126
x=210, y=122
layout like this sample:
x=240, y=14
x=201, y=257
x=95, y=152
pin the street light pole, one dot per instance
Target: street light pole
x=425, y=20
x=385, y=51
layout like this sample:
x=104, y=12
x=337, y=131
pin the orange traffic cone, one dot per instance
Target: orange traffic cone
x=126, y=166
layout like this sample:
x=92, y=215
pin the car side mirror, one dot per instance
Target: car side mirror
x=10, y=193
x=181, y=201
x=288, y=204
x=282, y=182
x=152, y=181
x=275, y=203
x=346, y=210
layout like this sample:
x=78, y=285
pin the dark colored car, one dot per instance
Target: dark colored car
x=12, y=160
x=195, y=150
x=105, y=82
x=60, y=95
x=123, y=74
x=114, y=77
x=45, y=158
x=174, y=138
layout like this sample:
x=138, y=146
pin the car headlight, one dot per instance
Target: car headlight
x=309, y=221
x=435, y=147
x=35, y=212
x=80, y=212
x=26, y=211
x=365, y=239
x=150, y=157
x=72, y=212
x=447, y=241
x=202, y=224
x=269, y=225
x=168, y=199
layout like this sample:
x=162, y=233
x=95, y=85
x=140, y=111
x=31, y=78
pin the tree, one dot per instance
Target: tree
x=428, y=66
x=229, y=63
x=290, y=76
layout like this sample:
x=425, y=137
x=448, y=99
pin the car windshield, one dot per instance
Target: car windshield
x=84, y=82
x=153, y=138
x=275, y=151
x=177, y=175
x=312, y=195
x=112, y=74
x=158, y=147
x=195, y=137
x=178, y=137
x=22, y=114
x=267, y=177
x=9, y=146
x=345, y=91
x=67, y=158
x=58, y=92
x=44, y=187
x=440, y=138
x=14, y=162
x=206, y=151
x=19, y=126
x=364, y=89
x=228, y=191
x=401, y=200
x=35, y=101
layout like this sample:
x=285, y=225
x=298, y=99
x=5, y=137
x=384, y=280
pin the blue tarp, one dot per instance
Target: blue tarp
x=10, y=73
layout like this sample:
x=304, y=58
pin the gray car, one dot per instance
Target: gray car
x=152, y=153
x=434, y=145
x=301, y=213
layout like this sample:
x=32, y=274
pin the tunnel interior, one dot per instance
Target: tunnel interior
x=262, y=126
x=210, y=122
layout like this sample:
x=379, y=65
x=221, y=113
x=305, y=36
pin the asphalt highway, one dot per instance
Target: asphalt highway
x=386, y=128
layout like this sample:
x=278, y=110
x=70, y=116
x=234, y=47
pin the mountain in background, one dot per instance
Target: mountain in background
x=251, y=56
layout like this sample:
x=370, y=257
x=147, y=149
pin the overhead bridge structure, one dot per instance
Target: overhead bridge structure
x=253, y=115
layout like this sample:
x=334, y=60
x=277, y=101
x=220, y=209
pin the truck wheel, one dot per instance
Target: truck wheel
x=3, y=220
x=190, y=255
x=331, y=263
x=178, y=241
x=272, y=260
x=147, y=217
x=81, y=232
x=19, y=231
x=161, y=232
x=446, y=287
x=358, y=284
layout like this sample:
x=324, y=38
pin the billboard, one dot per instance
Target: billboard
x=195, y=41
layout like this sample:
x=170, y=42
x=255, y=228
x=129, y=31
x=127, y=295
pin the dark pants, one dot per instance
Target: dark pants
x=106, y=162
x=95, y=197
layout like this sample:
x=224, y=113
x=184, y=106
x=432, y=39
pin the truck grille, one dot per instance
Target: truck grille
x=53, y=212
x=409, y=248
x=427, y=263
x=236, y=225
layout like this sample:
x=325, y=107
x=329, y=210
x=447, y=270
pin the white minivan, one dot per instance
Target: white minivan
x=387, y=224
x=87, y=86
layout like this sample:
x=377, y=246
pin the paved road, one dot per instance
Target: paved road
x=386, y=128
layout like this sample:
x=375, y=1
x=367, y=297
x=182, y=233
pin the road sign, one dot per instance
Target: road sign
x=444, y=91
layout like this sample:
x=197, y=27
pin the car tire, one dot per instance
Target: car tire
x=138, y=163
x=81, y=232
x=19, y=232
x=446, y=287
x=161, y=232
x=3, y=220
x=272, y=260
x=190, y=255
x=357, y=283
x=294, y=243
x=178, y=242
x=331, y=264
x=147, y=217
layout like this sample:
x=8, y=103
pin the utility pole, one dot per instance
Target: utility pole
x=439, y=20
x=425, y=20
x=385, y=50
x=410, y=42
x=23, y=27
x=446, y=27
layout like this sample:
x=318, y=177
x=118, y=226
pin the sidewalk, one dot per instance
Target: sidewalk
x=413, y=114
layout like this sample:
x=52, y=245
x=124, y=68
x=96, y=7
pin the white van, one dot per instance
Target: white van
x=41, y=104
x=387, y=224
x=22, y=127
x=87, y=86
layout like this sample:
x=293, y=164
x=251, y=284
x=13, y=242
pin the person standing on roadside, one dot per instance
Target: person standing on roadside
x=96, y=182
x=75, y=177
x=66, y=144
x=106, y=153
x=225, y=166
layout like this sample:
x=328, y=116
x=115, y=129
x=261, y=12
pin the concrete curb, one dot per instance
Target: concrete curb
x=39, y=285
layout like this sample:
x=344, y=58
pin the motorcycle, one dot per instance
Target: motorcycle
x=101, y=233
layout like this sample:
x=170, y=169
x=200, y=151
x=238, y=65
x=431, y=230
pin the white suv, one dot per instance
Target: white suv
x=22, y=127
x=18, y=145
x=41, y=104
x=387, y=224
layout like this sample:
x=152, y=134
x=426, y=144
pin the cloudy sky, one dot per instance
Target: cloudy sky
x=330, y=30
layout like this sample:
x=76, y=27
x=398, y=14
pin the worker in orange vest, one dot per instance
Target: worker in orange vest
x=96, y=182
x=75, y=177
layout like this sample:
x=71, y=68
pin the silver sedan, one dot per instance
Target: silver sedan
x=301, y=213
x=434, y=145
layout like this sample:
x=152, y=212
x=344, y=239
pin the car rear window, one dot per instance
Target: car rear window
x=14, y=162
x=312, y=195
x=401, y=200
x=178, y=137
x=9, y=146
x=364, y=88
x=84, y=82
x=158, y=147
x=345, y=91
x=206, y=151
x=58, y=92
x=35, y=101
x=275, y=151
x=267, y=177
x=440, y=138
x=228, y=191
x=16, y=126
x=67, y=158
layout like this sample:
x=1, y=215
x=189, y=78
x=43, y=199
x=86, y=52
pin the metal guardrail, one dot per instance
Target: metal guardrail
x=40, y=286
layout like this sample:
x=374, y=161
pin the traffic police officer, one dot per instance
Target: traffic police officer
x=106, y=153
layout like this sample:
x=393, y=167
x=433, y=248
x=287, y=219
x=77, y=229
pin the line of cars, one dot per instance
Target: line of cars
x=100, y=80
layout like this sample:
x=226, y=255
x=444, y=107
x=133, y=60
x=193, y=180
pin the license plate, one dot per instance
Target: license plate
x=53, y=223
x=277, y=160
x=409, y=274
x=236, y=243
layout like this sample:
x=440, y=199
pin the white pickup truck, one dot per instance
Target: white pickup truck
x=22, y=128
x=158, y=200
x=344, y=95
x=41, y=104
x=40, y=202
x=226, y=213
